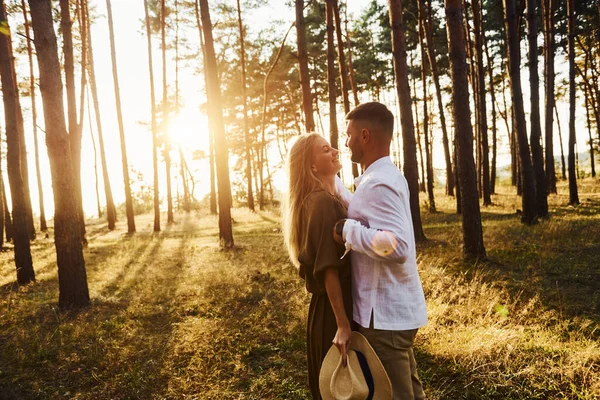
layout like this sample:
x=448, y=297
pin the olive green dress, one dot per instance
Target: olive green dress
x=320, y=213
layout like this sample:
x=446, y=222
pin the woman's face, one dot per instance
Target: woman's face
x=325, y=161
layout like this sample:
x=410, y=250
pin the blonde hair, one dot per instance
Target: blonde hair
x=301, y=182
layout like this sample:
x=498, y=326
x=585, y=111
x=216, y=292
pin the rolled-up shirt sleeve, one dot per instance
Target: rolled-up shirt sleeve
x=386, y=238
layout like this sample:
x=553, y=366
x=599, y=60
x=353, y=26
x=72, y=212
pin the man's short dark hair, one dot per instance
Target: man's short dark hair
x=375, y=113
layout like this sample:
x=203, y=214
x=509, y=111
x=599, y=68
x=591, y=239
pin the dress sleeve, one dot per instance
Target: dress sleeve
x=322, y=216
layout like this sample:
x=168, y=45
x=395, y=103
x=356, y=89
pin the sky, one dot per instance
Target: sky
x=190, y=128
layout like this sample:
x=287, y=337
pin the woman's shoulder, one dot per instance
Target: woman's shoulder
x=321, y=201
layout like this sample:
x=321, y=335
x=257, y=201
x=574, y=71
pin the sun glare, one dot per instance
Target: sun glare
x=189, y=129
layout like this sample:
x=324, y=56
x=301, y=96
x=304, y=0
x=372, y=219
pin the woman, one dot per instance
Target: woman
x=310, y=212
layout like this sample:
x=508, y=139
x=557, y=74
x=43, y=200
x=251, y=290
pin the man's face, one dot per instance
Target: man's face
x=353, y=140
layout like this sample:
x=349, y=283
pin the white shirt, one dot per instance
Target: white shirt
x=379, y=231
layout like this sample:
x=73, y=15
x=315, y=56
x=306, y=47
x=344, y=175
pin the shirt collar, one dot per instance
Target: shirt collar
x=375, y=165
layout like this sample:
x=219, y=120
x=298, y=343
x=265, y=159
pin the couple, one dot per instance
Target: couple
x=376, y=289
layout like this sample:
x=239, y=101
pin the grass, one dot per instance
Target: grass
x=174, y=317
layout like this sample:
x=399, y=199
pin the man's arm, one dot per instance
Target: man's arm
x=388, y=237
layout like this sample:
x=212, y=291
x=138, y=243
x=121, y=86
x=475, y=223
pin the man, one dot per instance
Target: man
x=389, y=304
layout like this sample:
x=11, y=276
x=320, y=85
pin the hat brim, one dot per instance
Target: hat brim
x=383, y=386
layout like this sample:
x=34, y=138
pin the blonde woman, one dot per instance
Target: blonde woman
x=310, y=212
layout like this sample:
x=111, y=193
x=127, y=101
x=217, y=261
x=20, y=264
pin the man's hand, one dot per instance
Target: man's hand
x=338, y=230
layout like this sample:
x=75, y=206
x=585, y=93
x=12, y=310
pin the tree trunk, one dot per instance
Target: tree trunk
x=165, y=112
x=428, y=162
x=490, y=70
x=529, y=214
x=14, y=138
x=588, y=104
x=211, y=141
x=350, y=66
x=573, y=195
x=418, y=132
x=408, y=129
x=473, y=246
x=72, y=280
x=125, y=164
x=303, y=67
x=96, y=180
x=438, y=91
x=332, y=92
x=111, y=212
x=562, y=150
x=43, y=225
x=549, y=49
x=541, y=191
x=245, y=110
x=8, y=226
x=482, y=106
x=215, y=113
x=153, y=123
x=341, y=56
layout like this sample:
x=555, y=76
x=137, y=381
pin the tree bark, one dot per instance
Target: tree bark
x=72, y=280
x=562, y=150
x=473, y=246
x=529, y=214
x=43, y=225
x=490, y=70
x=548, y=7
x=215, y=113
x=303, y=67
x=245, y=110
x=438, y=91
x=408, y=129
x=14, y=137
x=573, y=194
x=541, y=191
x=350, y=65
x=8, y=227
x=111, y=212
x=332, y=92
x=165, y=112
x=124, y=163
x=153, y=122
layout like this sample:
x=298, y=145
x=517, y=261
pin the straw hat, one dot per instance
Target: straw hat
x=363, y=379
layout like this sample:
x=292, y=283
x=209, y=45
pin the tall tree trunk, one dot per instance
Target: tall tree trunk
x=111, y=211
x=482, y=106
x=153, y=123
x=332, y=92
x=43, y=225
x=341, y=56
x=125, y=164
x=490, y=70
x=588, y=105
x=548, y=8
x=541, y=191
x=245, y=110
x=14, y=137
x=562, y=150
x=303, y=67
x=215, y=113
x=436, y=80
x=573, y=194
x=471, y=218
x=72, y=279
x=428, y=162
x=529, y=214
x=96, y=180
x=418, y=132
x=165, y=112
x=8, y=226
x=408, y=128
x=350, y=65
x=211, y=141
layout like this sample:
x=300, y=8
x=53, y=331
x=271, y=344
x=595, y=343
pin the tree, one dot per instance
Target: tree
x=165, y=112
x=408, y=130
x=573, y=195
x=541, y=191
x=333, y=127
x=8, y=227
x=548, y=8
x=303, y=67
x=72, y=279
x=153, y=123
x=14, y=137
x=126, y=181
x=43, y=225
x=245, y=111
x=215, y=115
x=111, y=211
x=473, y=246
x=529, y=214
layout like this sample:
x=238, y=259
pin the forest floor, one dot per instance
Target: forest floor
x=174, y=317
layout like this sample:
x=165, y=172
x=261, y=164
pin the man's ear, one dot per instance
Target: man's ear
x=365, y=135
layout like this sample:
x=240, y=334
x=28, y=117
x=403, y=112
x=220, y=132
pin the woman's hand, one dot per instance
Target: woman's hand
x=342, y=341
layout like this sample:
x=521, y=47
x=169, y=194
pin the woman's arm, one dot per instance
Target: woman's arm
x=334, y=292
